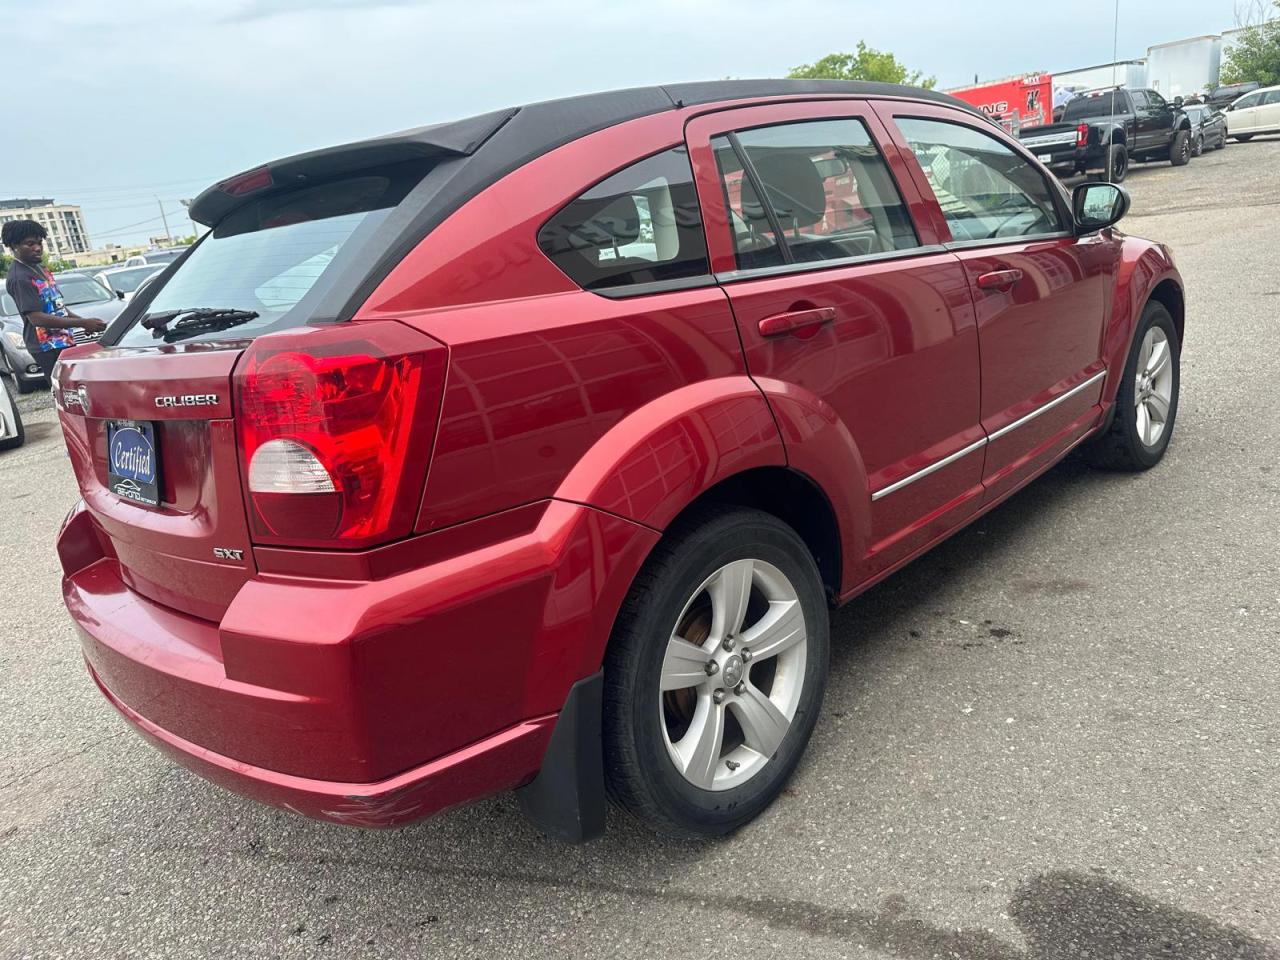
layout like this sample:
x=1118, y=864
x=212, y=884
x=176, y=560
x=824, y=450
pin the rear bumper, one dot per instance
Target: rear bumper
x=479, y=770
x=368, y=702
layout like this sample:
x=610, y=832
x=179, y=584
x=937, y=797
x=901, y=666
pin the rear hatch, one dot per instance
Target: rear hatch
x=191, y=550
x=226, y=408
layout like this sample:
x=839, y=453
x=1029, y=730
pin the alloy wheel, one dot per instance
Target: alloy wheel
x=1153, y=389
x=733, y=674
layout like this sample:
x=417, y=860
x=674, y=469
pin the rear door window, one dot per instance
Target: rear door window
x=985, y=189
x=827, y=192
x=640, y=226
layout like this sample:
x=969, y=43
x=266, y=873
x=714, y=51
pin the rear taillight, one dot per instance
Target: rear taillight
x=335, y=427
x=1082, y=135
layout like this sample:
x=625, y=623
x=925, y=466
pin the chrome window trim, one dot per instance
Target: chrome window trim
x=1026, y=238
x=979, y=444
x=1045, y=408
x=782, y=269
x=921, y=474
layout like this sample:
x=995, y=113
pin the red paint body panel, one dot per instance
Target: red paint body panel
x=360, y=681
x=490, y=766
x=164, y=554
x=379, y=683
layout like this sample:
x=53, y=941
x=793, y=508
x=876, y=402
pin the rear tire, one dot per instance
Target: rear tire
x=1119, y=163
x=1180, y=149
x=696, y=750
x=1222, y=142
x=1199, y=147
x=1244, y=137
x=1147, y=398
x=12, y=418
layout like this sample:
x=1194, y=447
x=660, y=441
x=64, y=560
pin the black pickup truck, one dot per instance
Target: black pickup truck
x=1124, y=124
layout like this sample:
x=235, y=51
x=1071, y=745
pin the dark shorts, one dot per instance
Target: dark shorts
x=46, y=359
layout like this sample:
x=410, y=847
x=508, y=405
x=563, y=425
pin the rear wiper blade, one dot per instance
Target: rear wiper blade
x=193, y=320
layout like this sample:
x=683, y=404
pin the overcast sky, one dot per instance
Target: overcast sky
x=127, y=101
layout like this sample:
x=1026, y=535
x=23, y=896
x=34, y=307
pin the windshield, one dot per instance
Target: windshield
x=1095, y=105
x=129, y=280
x=268, y=255
x=77, y=289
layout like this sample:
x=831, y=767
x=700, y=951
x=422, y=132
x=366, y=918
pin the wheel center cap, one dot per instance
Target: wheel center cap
x=732, y=671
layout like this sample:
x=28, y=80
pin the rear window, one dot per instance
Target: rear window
x=1096, y=105
x=641, y=225
x=275, y=255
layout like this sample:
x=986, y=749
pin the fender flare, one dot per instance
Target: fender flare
x=1137, y=279
x=659, y=458
x=819, y=446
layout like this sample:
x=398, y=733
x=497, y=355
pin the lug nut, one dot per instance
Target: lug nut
x=740, y=689
x=728, y=642
x=718, y=696
x=711, y=668
x=746, y=655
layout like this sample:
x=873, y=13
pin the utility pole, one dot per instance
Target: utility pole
x=165, y=220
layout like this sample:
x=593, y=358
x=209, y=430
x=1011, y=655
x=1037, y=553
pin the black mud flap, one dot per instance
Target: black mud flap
x=566, y=799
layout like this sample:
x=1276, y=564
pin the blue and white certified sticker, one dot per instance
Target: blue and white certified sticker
x=133, y=462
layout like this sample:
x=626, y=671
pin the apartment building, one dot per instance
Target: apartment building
x=63, y=221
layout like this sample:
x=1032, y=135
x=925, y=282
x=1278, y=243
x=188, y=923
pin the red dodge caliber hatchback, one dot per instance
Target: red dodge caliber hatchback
x=530, y=451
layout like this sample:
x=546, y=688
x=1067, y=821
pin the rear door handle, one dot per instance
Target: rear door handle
x=999, y=279
x=784, y=323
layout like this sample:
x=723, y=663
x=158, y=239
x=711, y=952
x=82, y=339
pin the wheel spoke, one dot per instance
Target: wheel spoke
x=685, y=665
x=1158, y=359
x=730, y=592
x=778, y=630
x=1157, y=408
x=1144, y=424
x=1144, y=353
x=699, y=748
x=763, y=724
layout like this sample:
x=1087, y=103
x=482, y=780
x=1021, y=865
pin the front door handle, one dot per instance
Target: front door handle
x=796, y=321
x=999, y=279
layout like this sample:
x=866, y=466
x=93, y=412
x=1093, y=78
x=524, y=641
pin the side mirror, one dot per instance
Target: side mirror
x=1098, y=205
x=120, y=294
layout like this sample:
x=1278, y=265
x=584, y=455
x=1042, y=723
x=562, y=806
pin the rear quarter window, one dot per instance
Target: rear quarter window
x=641, y=225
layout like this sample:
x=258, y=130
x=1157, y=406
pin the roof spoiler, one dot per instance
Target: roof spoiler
x=458, y=138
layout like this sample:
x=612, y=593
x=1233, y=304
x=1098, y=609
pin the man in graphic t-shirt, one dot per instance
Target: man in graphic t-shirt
x=46, y=322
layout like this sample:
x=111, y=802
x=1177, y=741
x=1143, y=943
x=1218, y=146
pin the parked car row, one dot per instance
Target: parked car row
x=1103, y=131
x=85, y=295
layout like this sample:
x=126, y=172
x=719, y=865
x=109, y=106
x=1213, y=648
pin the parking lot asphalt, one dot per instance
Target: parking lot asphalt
x=1057, y=735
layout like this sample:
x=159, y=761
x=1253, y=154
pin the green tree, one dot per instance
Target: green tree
x=1256, y=55
x=4, y=264
x=867, y=64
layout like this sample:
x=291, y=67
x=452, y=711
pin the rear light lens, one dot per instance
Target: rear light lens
x=1082, y=135
x=334, y=430
x=246, y=183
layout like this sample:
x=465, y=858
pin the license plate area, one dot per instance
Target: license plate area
x=133, y=462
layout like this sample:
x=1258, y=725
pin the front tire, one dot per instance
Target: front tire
x=1180, y=149
x=1147, y=400
x=715, y=674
